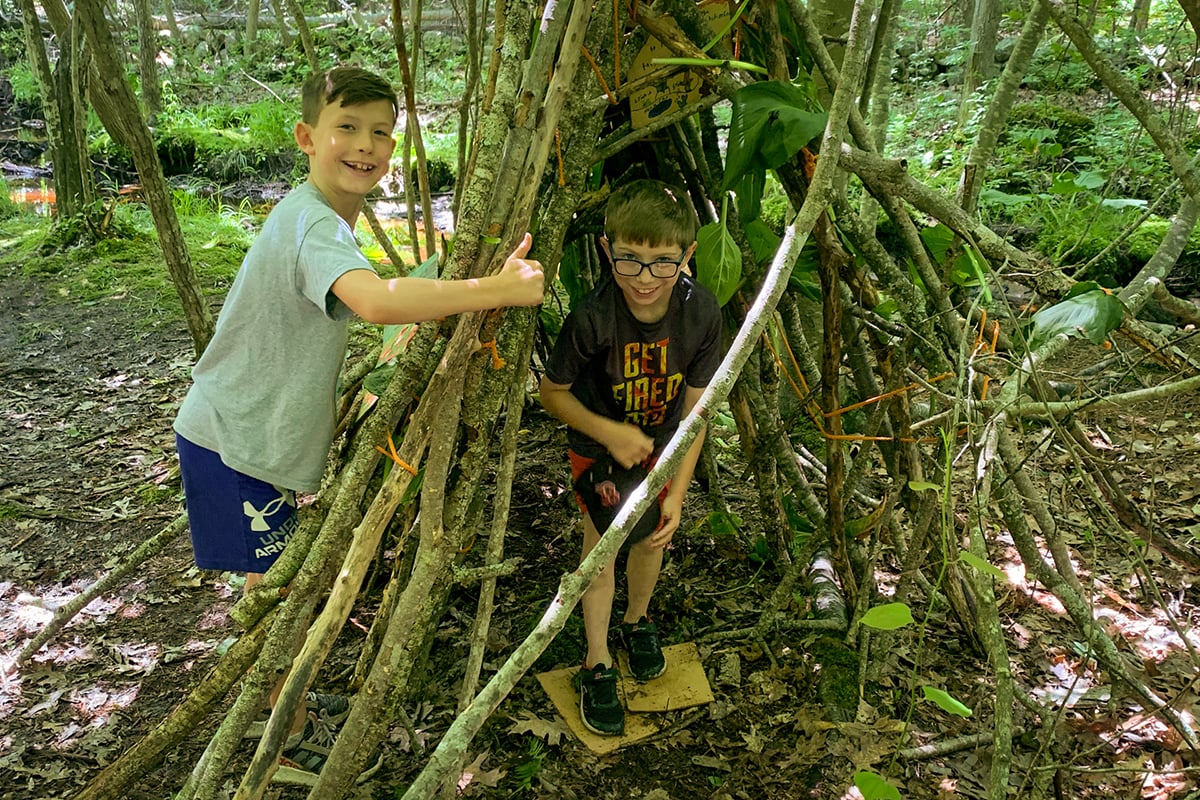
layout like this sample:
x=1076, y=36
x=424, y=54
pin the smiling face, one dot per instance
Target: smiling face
x=349, y=149
x=648, y=297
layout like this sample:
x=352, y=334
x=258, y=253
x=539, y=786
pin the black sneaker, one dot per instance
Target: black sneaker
x=302, y=761
x=599, y=704
x=329, y=708
x=640, y=641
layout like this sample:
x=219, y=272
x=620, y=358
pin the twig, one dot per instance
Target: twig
x=693, y=716
x=789, y=624
x=947, y=746
x=268, y=89
x=65, y=614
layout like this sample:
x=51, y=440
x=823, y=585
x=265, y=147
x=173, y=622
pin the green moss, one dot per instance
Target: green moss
x=837, y=683
x=128, y=266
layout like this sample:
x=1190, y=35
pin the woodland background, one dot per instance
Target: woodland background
x=943, y=539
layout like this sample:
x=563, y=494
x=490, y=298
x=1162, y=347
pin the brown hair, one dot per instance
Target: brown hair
x=650, y=212
x=352, y=85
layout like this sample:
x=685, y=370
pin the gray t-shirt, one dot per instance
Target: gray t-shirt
x=263, y=393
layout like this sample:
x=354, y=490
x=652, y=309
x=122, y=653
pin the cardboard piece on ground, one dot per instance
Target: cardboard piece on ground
x=558, y=685
x=683, y=685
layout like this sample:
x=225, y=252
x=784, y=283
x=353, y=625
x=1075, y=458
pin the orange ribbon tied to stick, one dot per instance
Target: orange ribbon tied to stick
x=394, y=456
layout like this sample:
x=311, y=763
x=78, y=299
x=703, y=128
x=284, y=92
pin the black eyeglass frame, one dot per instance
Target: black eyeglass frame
x=644, y=265
x=676, y=266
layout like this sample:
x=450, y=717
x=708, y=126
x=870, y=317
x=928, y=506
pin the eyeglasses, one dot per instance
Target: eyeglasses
x=632, y=268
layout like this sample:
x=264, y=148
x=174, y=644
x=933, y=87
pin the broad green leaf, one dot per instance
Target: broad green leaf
x=718, y=261
x=1065, y=184
x=937, y=239
x=946, y=702
x=717, y=63
x=768, y=127
x=856, y=527
x=414, y=486
x=1123, y=202
x=887, y=308
x=923, y=486
x=763, y=241
x=568, y=274
x=804, y=273
x=978, y=563
x=378, y=379
x=760, y=551
x=722, y=524
x=874, y=787
x=888, y=617
x=1089, y=179
x=428, y=268
x=1088, y=311
x=749, y=191
x=795, y=516
x=997, y=197
x=979, y=268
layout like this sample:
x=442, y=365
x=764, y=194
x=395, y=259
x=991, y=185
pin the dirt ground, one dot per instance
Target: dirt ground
x=87, y=472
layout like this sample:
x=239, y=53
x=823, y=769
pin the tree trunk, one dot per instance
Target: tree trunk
x=306, y=40
x=980, y=64
x=148, y=59
x=1191, y=8
x=66, y=113
x=832, y=19
x=1139, y=17
x=173, y=24
x=252, y=26
x=112, y=84
x=996, y=117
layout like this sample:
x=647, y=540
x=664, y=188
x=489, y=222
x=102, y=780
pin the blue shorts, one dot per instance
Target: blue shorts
x=237, y=522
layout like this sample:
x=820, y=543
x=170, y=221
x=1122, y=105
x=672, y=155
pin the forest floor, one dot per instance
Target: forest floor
x=88, y=471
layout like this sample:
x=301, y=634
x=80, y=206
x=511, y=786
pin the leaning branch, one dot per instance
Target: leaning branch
x=1061, y=409
x=148, y=549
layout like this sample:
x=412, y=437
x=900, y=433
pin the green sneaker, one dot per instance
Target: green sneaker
x=599, y=704
x=640, y=640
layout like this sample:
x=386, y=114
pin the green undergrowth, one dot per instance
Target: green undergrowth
x=127, y=265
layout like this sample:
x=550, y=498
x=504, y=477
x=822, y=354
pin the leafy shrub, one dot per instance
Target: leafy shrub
x=24, y=87
x=7, y=207
x=1072, y=129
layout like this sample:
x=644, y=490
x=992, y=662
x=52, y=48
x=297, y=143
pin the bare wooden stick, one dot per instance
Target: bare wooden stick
x=947, y=746
x=146, y=550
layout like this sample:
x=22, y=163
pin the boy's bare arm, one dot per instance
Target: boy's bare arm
x=627, y=443
x=672, y=507
x=399, y=300
x=687, y=467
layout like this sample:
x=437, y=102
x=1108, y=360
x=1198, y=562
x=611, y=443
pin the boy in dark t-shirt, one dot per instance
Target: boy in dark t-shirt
x=632, y=359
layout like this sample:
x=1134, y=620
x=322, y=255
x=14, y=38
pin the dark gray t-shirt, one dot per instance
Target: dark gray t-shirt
x=633, y=371
x=263, y=392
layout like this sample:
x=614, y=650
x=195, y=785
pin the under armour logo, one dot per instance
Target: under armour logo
x=258, y=519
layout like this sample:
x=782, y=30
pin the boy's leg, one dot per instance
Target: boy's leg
x=599, y=700
x=641, y=571
x=597, y=603
x=637, y=634
x=252, y=578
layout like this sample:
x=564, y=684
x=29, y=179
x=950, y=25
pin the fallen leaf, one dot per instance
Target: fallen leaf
x=551, y=731
x=475, y=773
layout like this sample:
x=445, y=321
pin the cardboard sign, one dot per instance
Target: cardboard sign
x=674, y=87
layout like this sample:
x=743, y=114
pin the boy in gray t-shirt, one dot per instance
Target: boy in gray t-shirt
x=258, y=421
